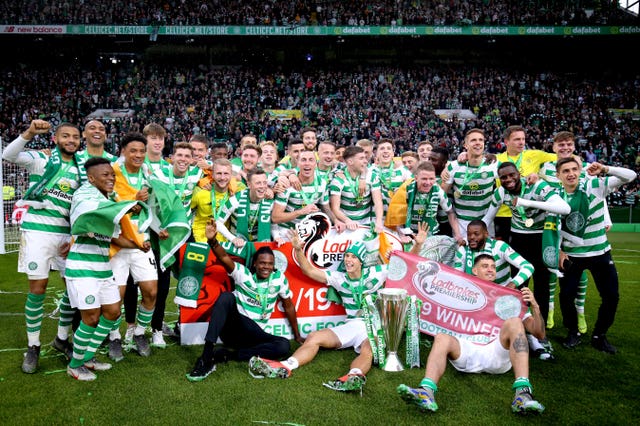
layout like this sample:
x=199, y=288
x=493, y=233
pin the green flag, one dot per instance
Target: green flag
x=168, y=213
x=92, y=212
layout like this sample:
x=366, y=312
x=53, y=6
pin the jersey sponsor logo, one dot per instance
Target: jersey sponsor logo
x=57, y=193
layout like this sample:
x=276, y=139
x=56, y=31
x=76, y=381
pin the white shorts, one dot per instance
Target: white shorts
x=141, y=265
x=492, y=358
x=91, y=293
x=351, y=334
x=40, y=253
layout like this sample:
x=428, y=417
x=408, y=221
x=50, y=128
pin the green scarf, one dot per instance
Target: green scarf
x=411, y=197
x=575, y=223
x=551, y=243
x=263, y=217
x=191, y=275
x=52, y=171
x=246, y=252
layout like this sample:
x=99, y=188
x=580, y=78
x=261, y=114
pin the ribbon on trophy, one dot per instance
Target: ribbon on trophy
x=375, y=334
x=413, y=332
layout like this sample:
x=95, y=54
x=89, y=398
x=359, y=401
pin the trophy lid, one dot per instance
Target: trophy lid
x=392, y=292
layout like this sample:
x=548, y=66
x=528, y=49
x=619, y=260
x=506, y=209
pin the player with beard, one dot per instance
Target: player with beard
x=239, y=318
x=249, y=158
x=529, y=203
x=527, y=162
x=504, y=256
x=95, y=136
x=208, y=203
x=419, y=202
x=44, y=242
x=439, y=157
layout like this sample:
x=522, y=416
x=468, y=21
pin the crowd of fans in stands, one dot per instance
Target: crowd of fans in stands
x=318, y=12
x=226, y=103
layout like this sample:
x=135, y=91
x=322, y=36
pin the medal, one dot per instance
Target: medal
x=457, y=194
x=528, y=223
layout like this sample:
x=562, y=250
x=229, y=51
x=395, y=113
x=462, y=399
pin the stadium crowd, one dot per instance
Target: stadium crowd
x=319, y=12
x=225, y=103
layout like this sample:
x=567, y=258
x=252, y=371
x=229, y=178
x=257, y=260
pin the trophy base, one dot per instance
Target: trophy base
x=392, y=363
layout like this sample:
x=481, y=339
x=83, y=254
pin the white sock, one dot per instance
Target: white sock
x=139, y=330
x=63, y=332
x=356, y=371
x=115, y=334
x=534, y=344
x=291, y=363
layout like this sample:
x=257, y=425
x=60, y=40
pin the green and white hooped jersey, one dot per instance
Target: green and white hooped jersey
x=539, y=191
x=594, y=241
x=89, y=254
x=504, y=257
x=352, y=291
x=89, y=258
x=292, y=199
x=472, y=188
x=256, y=299
x=54, y=219
x=184, y=185
x=357, y=208
x=391, y=178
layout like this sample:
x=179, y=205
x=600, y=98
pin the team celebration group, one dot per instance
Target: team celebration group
x=517, y=216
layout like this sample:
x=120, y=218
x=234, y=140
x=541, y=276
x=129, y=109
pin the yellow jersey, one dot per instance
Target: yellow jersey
x=528, y=161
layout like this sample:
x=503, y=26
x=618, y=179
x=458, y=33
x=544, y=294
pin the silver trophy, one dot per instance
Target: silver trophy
x=392, y=307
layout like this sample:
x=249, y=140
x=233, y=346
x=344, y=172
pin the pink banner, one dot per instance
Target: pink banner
x=453, y=302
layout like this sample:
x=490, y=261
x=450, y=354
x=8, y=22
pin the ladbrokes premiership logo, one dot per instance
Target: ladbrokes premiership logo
x=324, y=247
x=447, y=290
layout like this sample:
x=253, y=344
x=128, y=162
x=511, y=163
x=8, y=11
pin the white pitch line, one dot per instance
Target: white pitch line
x=624, y=262
x=635, y=251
